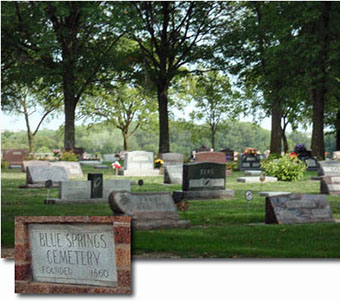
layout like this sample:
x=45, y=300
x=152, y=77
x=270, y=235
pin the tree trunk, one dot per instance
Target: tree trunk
x=276, y=132
x=30, y=136
x=319, y=87
x=285, y=141
x=69, y=131
x=337, y=131
x=125, y=140
x=162, y=97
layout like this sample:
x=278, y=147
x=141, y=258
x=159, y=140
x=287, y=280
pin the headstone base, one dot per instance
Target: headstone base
x=101, y=167
x=256, y=179
x=203, y=195
x=160, y=224
x=139, y=173
x=273, y=193
x=15, y=166
x=75, y=201
x=30, y=186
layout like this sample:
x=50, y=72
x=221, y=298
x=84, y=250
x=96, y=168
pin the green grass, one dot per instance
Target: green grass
x=220, y=228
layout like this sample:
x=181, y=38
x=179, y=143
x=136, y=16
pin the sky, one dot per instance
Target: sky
x=17, y=122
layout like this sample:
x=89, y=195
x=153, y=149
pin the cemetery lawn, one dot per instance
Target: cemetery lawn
x=219, y=228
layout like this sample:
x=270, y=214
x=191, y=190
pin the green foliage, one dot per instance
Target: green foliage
x=68, y=156
x=287, y=168
x=232, y=165
x=4, y=164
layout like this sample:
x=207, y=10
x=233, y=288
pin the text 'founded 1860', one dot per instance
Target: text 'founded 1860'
x=73, y=253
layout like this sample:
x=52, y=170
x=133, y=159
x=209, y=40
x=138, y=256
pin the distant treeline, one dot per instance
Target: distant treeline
x=184, y=136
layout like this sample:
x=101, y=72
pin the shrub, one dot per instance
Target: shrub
x=287, y=168
x=4, y=164
x=232, y=165
x=68, y=156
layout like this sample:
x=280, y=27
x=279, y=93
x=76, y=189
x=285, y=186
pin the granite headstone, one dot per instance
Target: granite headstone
x=172, y=158
x=297, y=209
x=73, y=169
x=40, y=174
x=217, y=157
x=330, y=185
x=329, y=168
x=25, y=164
x=96, y=184
x=173, y=174
x=139, y=163
x=153, y=210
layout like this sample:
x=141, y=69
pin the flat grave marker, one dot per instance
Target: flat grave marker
x=256, y=179
x=297, y=209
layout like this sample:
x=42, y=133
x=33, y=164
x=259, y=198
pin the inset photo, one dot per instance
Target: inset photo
x=72, y=254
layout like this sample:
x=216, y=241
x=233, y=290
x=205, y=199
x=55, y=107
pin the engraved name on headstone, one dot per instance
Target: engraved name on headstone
x=297, y=209
x=73, y=254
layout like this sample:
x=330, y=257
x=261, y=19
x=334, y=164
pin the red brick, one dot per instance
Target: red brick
x=22, y=252
x=124, y=278
x=123, y=255
x=68, y=289
x=22, y=271
x=122, y=235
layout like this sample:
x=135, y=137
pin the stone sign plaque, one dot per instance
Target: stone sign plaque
x=297, y=209
x=203, y=176
x=40, y=174
x=73, y=254
x=217, y=157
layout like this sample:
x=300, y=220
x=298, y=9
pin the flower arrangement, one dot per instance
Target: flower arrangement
x=158, y=163
x=250, y=151
x=116, y=166
x=293, y=154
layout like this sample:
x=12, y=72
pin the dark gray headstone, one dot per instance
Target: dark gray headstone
x=40, y=174
x=297, y=209
x=250, y=162
x=173, y=174
x=73, y=254
x=149, y=210
x=203, y=176
x=96, y=184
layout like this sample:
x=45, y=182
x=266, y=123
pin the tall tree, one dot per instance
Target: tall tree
x=68, y=44
x=123, y=106
x=214, y=101
x=170, y=35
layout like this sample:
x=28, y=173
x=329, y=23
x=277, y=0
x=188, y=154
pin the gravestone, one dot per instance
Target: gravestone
x=101, y=167
x=273, y=193
x=297, y=209
x=122, y=155
x=73, y=169
x=217, y=157
x=79, y=192
x=115, y=185
x=312, y=163
x=203, y=148
x=79, y=152
x=203, y=180
x=90, y=162
x=96, y=185
x=256, y=179
x=173, y=174
x=172, y=158
x=72, y=254
x=109, y=158
x=75, y=190
x=40, y=174
x=229, y=154
x=330, y=185
x=329, y=168
x=153, y=210
x=15, y=156
x=250, y=162
x=139, y=164
x=25, y=164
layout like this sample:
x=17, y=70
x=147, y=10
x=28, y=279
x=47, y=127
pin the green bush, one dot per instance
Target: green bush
x=4, y=164
x=68, y=156
x=232, y=165
x=287, y=168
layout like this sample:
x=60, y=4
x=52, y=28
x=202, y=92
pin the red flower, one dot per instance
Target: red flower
x=116, y=165
x=293, y=154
